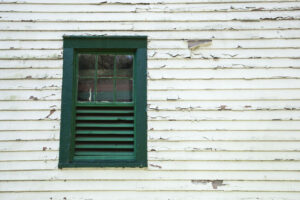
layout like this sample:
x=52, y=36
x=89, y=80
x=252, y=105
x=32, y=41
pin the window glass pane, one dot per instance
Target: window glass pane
x=124, y=90
x=86, y=63
x=105, y=90
x=105, y=65
x=124, y=65
x=85, y=90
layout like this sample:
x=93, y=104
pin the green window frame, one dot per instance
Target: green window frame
x=103, y=138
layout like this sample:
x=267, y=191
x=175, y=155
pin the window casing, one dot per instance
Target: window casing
x=104, y=120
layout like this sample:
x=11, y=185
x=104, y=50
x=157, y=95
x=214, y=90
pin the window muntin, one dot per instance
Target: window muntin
x=104, y=77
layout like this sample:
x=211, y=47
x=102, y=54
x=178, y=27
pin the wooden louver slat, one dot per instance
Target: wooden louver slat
x=104, y=133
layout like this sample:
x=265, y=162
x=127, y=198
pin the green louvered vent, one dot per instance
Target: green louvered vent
x=104, y=133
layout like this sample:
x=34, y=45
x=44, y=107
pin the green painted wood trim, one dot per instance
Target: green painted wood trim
x=104, y=125
x=66, y=108
x=105, y=111
x=104, y=118
x=104, y=146
x=74, y=44
x=105, y=42
x=115, y=104
x=105, y=37
x=104, y=132
x=102, y=157
x=101, y=139
x=101, y=163
x=95, y=153
x=140, y=89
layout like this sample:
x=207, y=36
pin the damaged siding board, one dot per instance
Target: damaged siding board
x=223, y=99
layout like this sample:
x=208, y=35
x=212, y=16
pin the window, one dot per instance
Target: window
x=104, y=120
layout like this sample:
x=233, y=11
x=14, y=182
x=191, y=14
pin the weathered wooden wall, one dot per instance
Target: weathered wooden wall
x=224, y=119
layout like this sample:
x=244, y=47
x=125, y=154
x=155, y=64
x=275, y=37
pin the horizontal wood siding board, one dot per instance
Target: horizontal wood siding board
x=149, y=195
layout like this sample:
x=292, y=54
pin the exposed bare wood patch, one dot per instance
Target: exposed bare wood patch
x=195, y=44
x=51, y=112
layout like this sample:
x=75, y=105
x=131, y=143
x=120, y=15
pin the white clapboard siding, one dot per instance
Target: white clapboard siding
x=222, y=44
x=118, y=7
x=30, y=115
x=191, y=145
x=182, y=185
x=224, y=53
x=34, y=155
x=179, y=35
x=155, y=95
x=224, y=63
x=225, y=105
x=217, y=135
x=31, y=74
x=223, y=165
x=162, y=44
x=33, y=63
x=193, y=95
x=149, y=195
x=179, y=155
x=169, y=53
x=221, y=145
x=11, y=95
x=139, y=174
x=219, y=125
x=223, y=117
x=165, y=156
x=167, y=115
x=199, y=115
x=141, y=26
x=27, y=54
x=30, y=105
x=158, y=84
x=172, y=63
x=172, y=165
x=254, y=15
x=11, y=44
x=162, y=74
x=30, y=83
x=29, y=146
x=133, y=2
x=27, y=165
x=176, y=74
x=34, y=125
x=29, y=135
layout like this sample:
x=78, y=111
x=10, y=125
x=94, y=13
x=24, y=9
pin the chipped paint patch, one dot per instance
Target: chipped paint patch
x=214, y=183
x=156, y=166
x=33, y=98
